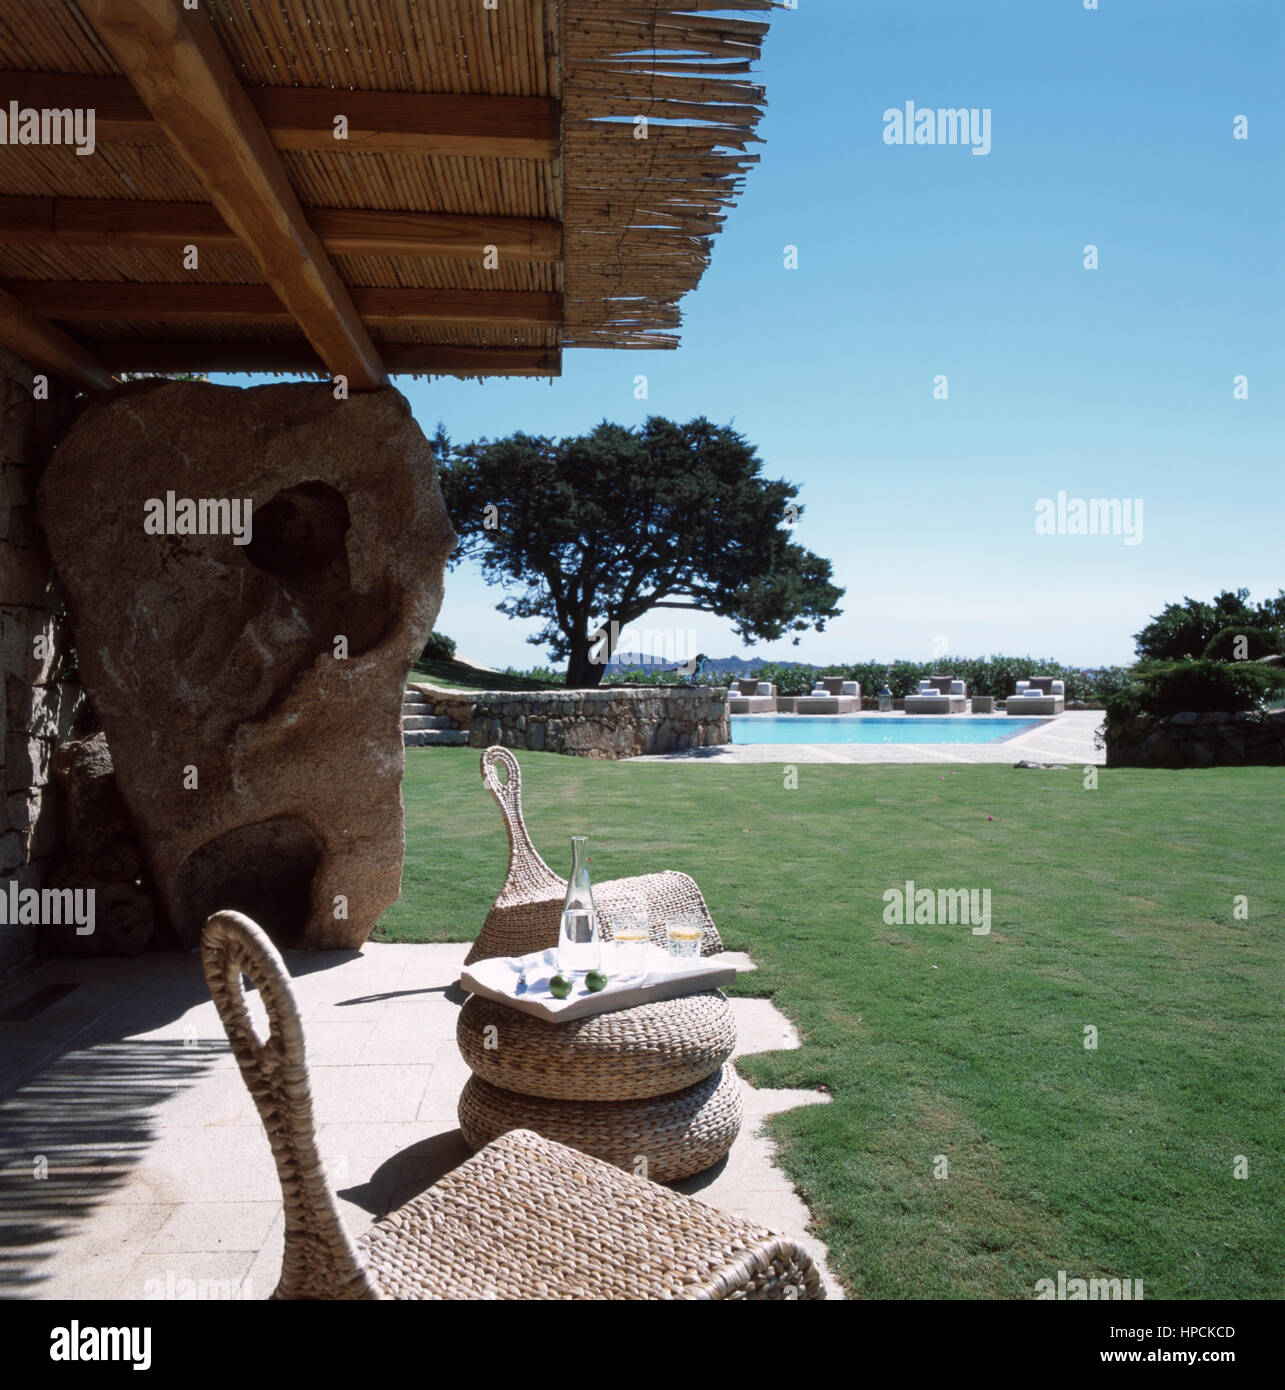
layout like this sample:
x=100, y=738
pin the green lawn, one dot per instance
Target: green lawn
x=1112, y=907
x=459, y=675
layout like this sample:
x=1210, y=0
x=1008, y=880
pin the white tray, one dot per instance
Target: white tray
x=667, y=977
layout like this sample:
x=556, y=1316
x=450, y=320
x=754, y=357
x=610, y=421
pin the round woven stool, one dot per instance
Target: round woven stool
x=632, y=1054
x=664, y=1137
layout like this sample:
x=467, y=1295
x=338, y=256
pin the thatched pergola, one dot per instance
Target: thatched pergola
x=362, y=187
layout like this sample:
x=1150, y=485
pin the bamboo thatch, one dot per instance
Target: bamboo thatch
x=637, y=214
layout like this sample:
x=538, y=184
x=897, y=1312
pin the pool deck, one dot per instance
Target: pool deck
x=1065, y=738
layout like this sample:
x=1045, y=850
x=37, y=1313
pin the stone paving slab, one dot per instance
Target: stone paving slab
x=159, y=1179
x=1066, y=738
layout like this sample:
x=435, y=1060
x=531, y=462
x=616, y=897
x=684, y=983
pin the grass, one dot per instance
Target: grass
x=1112, y=907
x=460, y=675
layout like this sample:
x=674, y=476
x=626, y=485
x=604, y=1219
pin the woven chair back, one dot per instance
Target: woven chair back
x=319, y=1260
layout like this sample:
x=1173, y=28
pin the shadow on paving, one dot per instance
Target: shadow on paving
x=81, y=1088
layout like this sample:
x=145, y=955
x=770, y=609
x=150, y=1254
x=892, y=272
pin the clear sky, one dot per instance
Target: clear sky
x=1112, y=127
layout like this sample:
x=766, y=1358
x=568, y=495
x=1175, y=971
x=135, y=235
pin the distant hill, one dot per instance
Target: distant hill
x=629, y=661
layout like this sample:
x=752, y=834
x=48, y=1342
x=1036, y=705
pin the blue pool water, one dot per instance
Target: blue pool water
x=897, y=728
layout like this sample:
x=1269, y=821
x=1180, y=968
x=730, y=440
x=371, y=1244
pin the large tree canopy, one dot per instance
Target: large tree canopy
x=1185, y=629
x=600, y=529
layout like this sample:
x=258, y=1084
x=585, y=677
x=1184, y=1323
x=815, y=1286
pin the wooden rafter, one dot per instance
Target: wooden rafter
x=343, y=231
x=303, y=118
x=432, y=359
x=188, y=302
x=46, y=345
x=177, y=66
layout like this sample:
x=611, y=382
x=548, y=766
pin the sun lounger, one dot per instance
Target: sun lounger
x=938, y=695
x=830, y=695
x=751, y=697
x=1041, y=695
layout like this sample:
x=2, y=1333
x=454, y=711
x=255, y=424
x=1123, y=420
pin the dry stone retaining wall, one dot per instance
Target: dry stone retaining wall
x=1198, y=740
x=610, y=723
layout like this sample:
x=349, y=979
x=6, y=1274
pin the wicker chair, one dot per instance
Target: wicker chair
x=527, y=914
x=525, y=1218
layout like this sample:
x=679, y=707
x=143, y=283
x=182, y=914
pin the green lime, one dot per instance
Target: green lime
x=594, y=981
x=559, y=986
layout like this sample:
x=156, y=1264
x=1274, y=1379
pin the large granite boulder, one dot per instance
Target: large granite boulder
x=249, y=680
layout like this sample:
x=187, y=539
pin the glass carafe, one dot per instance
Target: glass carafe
x=579, y=945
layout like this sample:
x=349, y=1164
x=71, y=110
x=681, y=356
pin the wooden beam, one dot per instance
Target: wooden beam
x=450, y=235
x=173, y=58
x=303, y=118
x=142, y=355
x=132, y=301
x=46, y=346
x=343, y=231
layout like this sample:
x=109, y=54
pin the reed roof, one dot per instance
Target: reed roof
x=511, y=181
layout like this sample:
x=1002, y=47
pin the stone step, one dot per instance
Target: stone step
x=435, y=738
x=413, y=697
x=425, y=721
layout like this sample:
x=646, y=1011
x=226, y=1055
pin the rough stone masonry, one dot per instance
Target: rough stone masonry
x=42, y=699
x=251, y=686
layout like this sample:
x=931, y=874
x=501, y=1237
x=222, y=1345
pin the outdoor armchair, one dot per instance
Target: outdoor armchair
x=526, y=915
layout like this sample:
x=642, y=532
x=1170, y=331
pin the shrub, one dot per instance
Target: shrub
x=648, y=675
x=991, y=675
x=439, y=647
x=1243, y=644
x=1204, y=686
x=789, y=680
x=542, y=675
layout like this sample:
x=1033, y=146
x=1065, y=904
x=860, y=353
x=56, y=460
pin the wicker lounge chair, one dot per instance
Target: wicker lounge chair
x=830, y=695
x=526, y=1218
x=751, y=697
x=527, y=914
x=1040, y=695
x=938, y=695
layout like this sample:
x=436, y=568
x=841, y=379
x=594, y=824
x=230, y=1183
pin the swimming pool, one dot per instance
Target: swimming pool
x=896, y=728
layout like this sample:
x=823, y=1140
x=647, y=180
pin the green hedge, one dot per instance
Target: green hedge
x=1259, y=642
x=994, y=675
x=1204, y=686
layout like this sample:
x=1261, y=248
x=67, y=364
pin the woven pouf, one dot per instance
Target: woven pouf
x=664, y=1138
x=632, y=1054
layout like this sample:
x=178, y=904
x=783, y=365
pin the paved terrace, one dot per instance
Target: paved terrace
x=132, y=1158
x=1065, y=738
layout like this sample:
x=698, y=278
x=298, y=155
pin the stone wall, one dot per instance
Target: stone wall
x=42, y=697
x=1197, y=740
x=610, y=723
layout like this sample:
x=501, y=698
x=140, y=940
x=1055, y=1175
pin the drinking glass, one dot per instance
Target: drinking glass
x=685, y=930
x=631, y=931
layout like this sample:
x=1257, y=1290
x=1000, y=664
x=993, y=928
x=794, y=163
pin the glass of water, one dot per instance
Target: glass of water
x=631, y=932
x=685, y=930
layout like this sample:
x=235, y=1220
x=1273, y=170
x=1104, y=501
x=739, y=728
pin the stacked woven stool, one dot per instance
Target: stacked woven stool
x=649, y=1089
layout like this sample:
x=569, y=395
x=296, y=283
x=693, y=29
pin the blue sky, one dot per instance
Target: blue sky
x=1112, y=127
